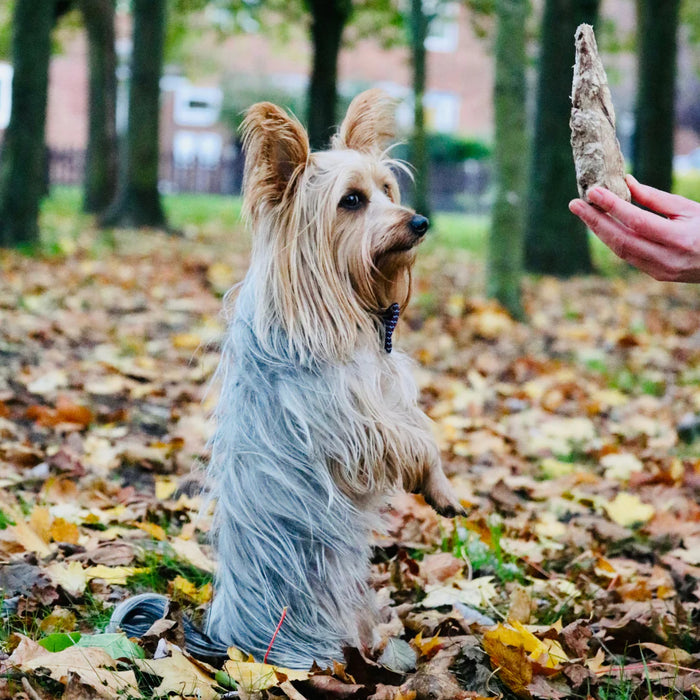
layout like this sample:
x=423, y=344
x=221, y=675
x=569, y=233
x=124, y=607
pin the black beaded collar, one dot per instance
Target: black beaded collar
x=390, y=317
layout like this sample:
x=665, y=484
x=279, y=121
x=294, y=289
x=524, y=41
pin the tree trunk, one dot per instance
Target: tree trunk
x=508, y=218
x=656, y=81
x=420, y=23
x=22, y=169
x=328, y=20
x=555, y=241
x=101, y=158
x=138, y=200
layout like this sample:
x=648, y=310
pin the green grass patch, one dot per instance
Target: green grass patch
x=65, y=228
x=187, y=209
x=452, y=230
x=162, y=567
x=687, y=185
x=484, y=558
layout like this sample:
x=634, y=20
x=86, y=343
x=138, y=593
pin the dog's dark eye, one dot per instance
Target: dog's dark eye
x=387, y=190
x=352, y=201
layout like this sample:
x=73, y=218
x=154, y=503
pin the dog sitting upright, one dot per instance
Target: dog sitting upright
x=317, y=421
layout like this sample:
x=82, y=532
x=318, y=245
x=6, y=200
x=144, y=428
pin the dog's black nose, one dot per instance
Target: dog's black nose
x=419, y=225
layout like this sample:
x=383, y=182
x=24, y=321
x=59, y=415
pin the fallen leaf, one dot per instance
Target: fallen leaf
x=179, y=675
x=627, y=509
x=254, y=677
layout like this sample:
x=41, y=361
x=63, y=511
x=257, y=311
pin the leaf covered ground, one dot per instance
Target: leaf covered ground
x=571, y=441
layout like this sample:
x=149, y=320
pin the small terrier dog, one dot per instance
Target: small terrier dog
x=317, y=421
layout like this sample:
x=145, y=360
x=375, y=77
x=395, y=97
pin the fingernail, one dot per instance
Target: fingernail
x=575, y=206
x=596, y=195
x=631, y=178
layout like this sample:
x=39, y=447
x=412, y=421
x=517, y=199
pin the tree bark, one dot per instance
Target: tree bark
x=328, y=20
x=22, y=168
x=101, y=157
x=420, y=23
x=505, y=251
x=656, y=82
x=555, y=241
x=138, y=201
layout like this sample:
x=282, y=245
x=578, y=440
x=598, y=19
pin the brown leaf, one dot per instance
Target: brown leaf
x=575, y=638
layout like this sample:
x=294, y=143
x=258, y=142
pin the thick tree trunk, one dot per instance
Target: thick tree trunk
x=101, y=159
x=328, y=20
x=656, y=82
x=138, y=200
x=508, y=218
x=555, y=241
x=420, y=23
x=22, y=169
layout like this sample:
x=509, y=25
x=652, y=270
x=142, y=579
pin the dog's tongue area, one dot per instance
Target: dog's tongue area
x=390, y=318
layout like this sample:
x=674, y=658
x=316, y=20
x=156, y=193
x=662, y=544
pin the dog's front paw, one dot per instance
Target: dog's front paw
x=438, y=493
x=451, y=509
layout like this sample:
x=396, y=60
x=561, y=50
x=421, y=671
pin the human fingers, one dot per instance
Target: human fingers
x=671, y=205
x=621, y=240
x=643, y=223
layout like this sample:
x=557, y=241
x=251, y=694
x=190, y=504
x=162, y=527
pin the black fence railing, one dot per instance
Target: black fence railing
x=464, y=187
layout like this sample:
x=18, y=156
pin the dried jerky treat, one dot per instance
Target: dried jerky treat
x=597, y=155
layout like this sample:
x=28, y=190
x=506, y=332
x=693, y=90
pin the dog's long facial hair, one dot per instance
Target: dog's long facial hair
x=316, y=424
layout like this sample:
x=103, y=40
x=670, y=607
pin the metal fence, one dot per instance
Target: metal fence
x=464, y=187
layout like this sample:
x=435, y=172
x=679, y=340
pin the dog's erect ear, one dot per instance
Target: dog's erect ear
x=369, y=125
x=276, y=148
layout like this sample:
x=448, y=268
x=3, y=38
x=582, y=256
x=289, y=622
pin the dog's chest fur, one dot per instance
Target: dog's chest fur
x=302, y=460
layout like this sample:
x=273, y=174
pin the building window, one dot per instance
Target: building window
x=5, y=94
x=202, y=147
x=443, y=35
x=442, y=111
x=197, y=106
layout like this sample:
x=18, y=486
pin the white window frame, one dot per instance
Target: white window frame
x=6, y=73
x=443, y=35
x=186, y=115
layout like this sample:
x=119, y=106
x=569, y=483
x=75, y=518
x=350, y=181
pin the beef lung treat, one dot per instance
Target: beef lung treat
x=597, y=154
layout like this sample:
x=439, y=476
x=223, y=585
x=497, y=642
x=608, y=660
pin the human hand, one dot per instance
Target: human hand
x=667, y=247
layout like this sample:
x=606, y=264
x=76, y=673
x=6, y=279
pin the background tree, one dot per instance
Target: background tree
x=138, y=201
x=22, y=168
x=101, y=157
x=419, y=24
x=657, y=30
x=328, y=20
x=505, y=247
x=555, y=241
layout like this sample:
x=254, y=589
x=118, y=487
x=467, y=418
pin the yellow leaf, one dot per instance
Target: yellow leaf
x=427, y=646
x=186, y=341
x=113, y=574
x=165, y=487
x=155, y=531
x=627, y=509
x=237, y=655
x=180, y=676
x=69, y=576
x=184, y=588
x=515, y=667
x=63, y=531
x=255, y=677
x=40, y=522
x=192, y=552
x=220, y=276
x=554, y=468
x=547, y=653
